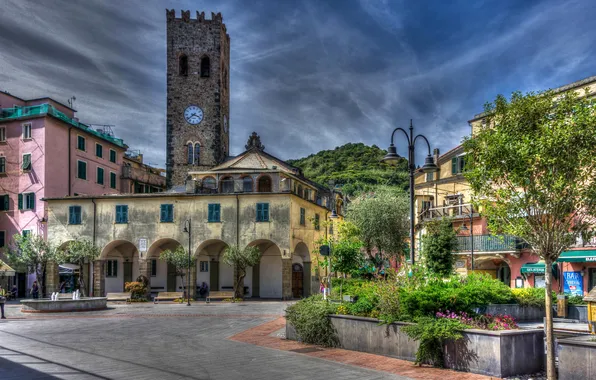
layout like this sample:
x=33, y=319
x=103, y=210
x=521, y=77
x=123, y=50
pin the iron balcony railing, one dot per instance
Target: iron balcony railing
x=452, y=211
x=18, y=112
x=490, y=243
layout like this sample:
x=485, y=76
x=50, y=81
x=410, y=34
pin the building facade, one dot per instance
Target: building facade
x=254, y=199
x=198, y=99
x=138, y=177
x=447, y=194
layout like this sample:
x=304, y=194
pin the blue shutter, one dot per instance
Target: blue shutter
x=210, y=213
x=125, y=213
x=217, y=216
x=163, y=216
x=259, y=212
x=71, y=215
x=265, y=212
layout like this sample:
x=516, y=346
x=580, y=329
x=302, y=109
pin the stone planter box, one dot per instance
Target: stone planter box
x=578, y=312
x=63, y=305
x=519, y=313
x=577, y=358
x=493, y=353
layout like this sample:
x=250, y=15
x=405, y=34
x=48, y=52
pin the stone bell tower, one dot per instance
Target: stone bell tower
x=198, y=96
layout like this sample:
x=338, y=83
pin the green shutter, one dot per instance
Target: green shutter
x=20, y=201
x=265, y=212
x=454, y=165
x=2, y=164
x=100, y=176
x=6, y=202
x=31, y=201
x=99, y=150
x=26, y=162
x=113, y=180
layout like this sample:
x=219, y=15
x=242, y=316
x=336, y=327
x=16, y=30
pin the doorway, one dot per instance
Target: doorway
x=591, y=280
x=171, y=285
x=504, y=274
x=127, y=272
x=297, y=281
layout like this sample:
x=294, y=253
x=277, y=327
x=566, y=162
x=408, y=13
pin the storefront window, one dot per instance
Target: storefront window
x=539, y=281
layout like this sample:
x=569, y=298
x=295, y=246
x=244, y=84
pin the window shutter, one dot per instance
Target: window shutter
x=26, y=162
x=454, y=165
x=118, y=214
x=266, y=212
x=259, y=212
x=217, y=212
x=125, y=214
x=71, y=215
x=6, y=202
x=20, y=201
x=162, y=217
x=32, y=201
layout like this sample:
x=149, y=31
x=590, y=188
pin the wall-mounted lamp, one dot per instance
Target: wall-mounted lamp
x=519, y=282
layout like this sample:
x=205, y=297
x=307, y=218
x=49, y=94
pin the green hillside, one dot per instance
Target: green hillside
x=353, y=167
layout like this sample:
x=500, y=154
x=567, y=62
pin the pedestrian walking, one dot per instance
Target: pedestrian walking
x=2, y=301
x=35, y=290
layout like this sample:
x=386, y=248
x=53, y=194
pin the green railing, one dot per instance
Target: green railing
x=18, y=112
x=489, y=243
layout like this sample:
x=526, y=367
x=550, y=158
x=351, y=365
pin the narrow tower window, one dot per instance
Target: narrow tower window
x=205, y=66
x=189, y=154
x=183, y=65
x=197, y=153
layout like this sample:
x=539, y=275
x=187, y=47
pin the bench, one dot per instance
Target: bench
x=119, y=297
x=219, y=296
x=167, y=296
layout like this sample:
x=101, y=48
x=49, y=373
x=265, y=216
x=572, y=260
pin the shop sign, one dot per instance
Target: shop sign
x=574, y=283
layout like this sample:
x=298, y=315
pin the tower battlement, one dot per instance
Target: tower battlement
x=200, y=17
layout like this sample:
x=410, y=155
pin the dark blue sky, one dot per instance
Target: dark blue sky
x=306, y=75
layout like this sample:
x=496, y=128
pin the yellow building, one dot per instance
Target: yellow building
x=253, y=199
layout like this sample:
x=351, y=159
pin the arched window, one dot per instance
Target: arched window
x=183, y=65
x=189, y=159
x=247, y=185
x=264, y=184
x=197, y=154
x=209, y=183
x=205, y=67
x=227, y=185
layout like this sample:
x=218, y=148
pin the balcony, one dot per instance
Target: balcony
x=453, y=211
x=490, y=243
x=47, y=109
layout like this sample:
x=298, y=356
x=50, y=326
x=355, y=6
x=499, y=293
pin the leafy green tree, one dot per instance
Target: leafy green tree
x=32, y=254
x=382, y=221
x=78, y=252
x=438, y=245
x=241, y=259
x=179, y=259
x=532, y=171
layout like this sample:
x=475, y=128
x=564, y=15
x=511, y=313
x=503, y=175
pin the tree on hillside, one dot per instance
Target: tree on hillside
x=78, y=252
x=382, y=221
x=241, y=259
x=532, y=170
x=32, y=254
x=438, y=245
x=179, y=259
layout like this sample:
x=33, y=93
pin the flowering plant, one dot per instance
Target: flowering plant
x=484, y=322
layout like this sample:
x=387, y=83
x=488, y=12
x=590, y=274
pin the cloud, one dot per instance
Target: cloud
x=306, y=75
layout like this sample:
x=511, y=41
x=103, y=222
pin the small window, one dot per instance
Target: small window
x=2, y=165
x=227, y=185
x=111, y=268
x=2, y=134
x=26, y=166
x=122, y=214
x=183, y=65
x=26, y=131
x=112, y=155
x=4, y=202
x=167, y=213
x=429, y=177
x=26, y=201
x=317, y=222
x=302, y=216
x=197, y=154
x=112, y=180
x=247, y=184
x=2, y=238
x=100, y=176
x=153, y=267
x=205, y=67
x=189, y=152
x=81, y=169
x=99, y=150
x=458, y=165
x=204, y=266
x=81, y=143
x=264, y=184
x=214, y=213
x=262, y=212
x=74, y=215
x=26, y=233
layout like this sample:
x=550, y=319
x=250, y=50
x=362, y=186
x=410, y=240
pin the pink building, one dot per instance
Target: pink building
x=46, y=152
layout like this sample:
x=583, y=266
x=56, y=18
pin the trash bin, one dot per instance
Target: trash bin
x=590, y=299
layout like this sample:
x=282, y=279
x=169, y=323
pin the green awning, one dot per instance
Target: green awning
x=533, y=268
x=583, y=256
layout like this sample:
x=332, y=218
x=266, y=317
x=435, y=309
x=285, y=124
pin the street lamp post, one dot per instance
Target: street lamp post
x=392, y=158
x=188, y=229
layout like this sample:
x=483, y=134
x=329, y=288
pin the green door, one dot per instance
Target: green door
x=214, y=276
x=256, y=272
x=171, y=286
x=127, y=272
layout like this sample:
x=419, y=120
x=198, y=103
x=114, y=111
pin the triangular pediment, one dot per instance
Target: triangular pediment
x=255, y=159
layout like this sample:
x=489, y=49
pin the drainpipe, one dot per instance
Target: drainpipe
x=69, y=164
x=237, y=221
x=91, y=262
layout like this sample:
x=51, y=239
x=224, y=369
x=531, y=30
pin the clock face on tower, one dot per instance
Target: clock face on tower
x=193, y=114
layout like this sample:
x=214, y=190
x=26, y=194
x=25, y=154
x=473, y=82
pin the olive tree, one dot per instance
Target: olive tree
x=532, y=170
x=241, y=259
x=78, y=252
x=181, y=262
x=33, y=254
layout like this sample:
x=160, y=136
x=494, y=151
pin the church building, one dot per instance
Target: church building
x=253, y=199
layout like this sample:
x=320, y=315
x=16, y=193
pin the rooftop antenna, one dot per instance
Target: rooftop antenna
x=71, y=101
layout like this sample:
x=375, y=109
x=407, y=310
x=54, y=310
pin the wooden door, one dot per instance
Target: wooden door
x=127, y=272
x=297, y=281
x=171, y=281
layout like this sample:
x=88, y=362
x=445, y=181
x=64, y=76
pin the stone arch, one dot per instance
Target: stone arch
x=247, y=184
x=301, y=281
x=264, y=184
x=226, y=184
x=121, y=264
x=267, y=276
x=161, y=274
x=210, y=269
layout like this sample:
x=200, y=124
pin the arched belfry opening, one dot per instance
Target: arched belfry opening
x=183, y=65
x=205, y=67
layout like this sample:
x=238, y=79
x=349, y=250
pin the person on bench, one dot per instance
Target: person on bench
x=203, y=290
